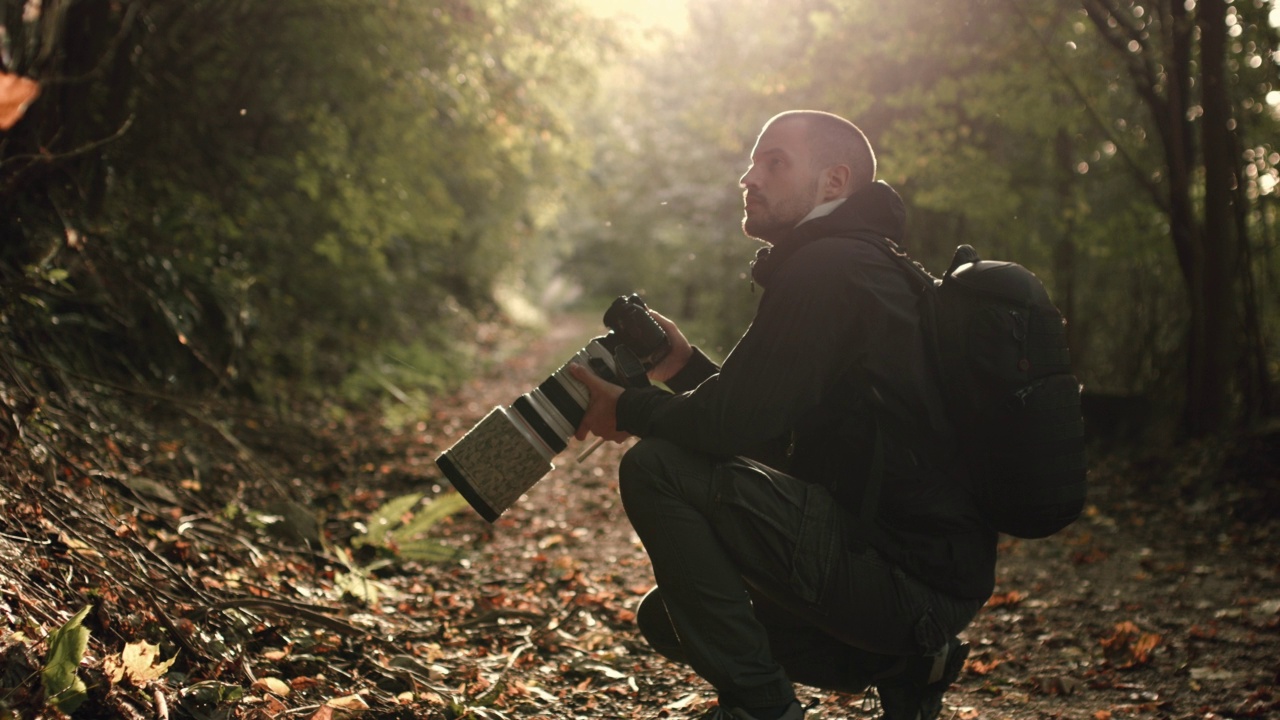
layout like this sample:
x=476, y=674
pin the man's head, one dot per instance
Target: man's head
x=803, y=158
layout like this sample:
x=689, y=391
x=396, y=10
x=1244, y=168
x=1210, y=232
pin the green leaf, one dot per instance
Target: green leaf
x=210, y=693
x=387, y=518
x=438, y=509
x=67, y=644
x=428, y=551
x=408, y=543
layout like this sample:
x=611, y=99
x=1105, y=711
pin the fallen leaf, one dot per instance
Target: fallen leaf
x=1217, y=675
x=275, y=655
x=66, y=649
x=1128, y=646
x=1013, y=597
x=275, y=686
x=137, y=664
x=351, y=706
x=16, y=95
x=981, y=667
x=303, y=682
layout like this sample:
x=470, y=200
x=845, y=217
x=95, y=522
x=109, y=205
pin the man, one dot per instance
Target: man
x=846, y=553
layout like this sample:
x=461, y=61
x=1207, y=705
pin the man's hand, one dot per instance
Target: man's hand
x=601, y=418
x=680, y=352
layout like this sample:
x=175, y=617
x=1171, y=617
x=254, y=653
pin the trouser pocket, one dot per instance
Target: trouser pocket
x=781, y=532
x=816, y=546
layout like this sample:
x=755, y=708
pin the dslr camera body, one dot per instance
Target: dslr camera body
x=511, y=449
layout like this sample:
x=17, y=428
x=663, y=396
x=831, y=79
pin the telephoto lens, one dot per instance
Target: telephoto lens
x=511, y=449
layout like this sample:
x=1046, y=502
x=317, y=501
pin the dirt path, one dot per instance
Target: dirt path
x=168, y=529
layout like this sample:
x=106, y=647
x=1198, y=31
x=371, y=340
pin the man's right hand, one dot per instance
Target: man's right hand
x=601, y=415
x=680, y=352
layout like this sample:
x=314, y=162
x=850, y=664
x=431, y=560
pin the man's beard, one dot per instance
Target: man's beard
x=773, y=226
x=769, y=232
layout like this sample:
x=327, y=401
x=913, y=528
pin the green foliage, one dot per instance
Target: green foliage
x=288, y=188
x=399, y=527
x=255, y=196
x=62, y=686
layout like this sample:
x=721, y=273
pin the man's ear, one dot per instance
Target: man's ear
x=836, y=184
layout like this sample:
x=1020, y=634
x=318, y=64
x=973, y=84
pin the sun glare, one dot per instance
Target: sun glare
x=656, y=14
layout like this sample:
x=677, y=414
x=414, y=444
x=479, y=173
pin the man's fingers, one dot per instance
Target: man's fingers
x=664, y=322
x=585, y=376
x=595, y=387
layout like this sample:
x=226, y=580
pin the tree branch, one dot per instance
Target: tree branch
x=49, y=158
x=1152, y=188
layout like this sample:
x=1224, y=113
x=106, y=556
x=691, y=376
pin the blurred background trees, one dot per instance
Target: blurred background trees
x=225, y=193
x=1125, y=151
x=262, y=198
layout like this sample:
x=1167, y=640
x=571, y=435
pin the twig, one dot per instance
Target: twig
x=82, y=150
x=162, y=705
x=303, y=612
x=7, y=536
x=492, y=617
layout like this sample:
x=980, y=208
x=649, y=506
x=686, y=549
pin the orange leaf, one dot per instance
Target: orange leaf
x=1142, y=649
x=980, y=667
x=16, y=94
x=1013, y=597
x=1128, y=646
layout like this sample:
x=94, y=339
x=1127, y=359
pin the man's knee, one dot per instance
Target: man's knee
x=657, y=467
x=643, y=465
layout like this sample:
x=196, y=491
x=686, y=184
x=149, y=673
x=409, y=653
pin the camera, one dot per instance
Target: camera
x=511, y=449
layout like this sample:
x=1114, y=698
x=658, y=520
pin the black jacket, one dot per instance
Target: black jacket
x=837, y=319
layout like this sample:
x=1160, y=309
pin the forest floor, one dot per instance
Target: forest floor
x=254, y=554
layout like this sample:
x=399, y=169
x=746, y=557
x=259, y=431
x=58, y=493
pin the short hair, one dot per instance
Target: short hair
x=836, y=141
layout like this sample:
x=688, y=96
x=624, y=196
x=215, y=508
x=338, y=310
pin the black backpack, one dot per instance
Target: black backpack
x=999, y=347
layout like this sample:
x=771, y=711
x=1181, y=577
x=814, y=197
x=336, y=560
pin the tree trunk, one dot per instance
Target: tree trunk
x=1217, y=348
x=1064, y=250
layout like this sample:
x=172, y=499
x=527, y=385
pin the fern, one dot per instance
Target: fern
x=390, y=522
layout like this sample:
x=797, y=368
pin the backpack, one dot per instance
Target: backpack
x=999, y=348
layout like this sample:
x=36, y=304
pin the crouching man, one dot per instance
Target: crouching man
x=801, y=504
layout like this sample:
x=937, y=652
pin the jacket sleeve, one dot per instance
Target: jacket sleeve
x=809, y=331
x=698, y=368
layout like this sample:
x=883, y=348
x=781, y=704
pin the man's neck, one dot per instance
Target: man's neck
x=822, y=210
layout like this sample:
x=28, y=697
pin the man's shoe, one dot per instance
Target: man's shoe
x=719, y=712
x=916, y=693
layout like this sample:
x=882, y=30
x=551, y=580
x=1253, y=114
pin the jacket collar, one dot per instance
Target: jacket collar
x=875, y=209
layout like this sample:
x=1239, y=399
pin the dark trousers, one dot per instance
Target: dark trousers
x=763, y=582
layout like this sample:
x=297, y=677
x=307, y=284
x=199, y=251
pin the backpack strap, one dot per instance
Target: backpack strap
x=923, y=284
